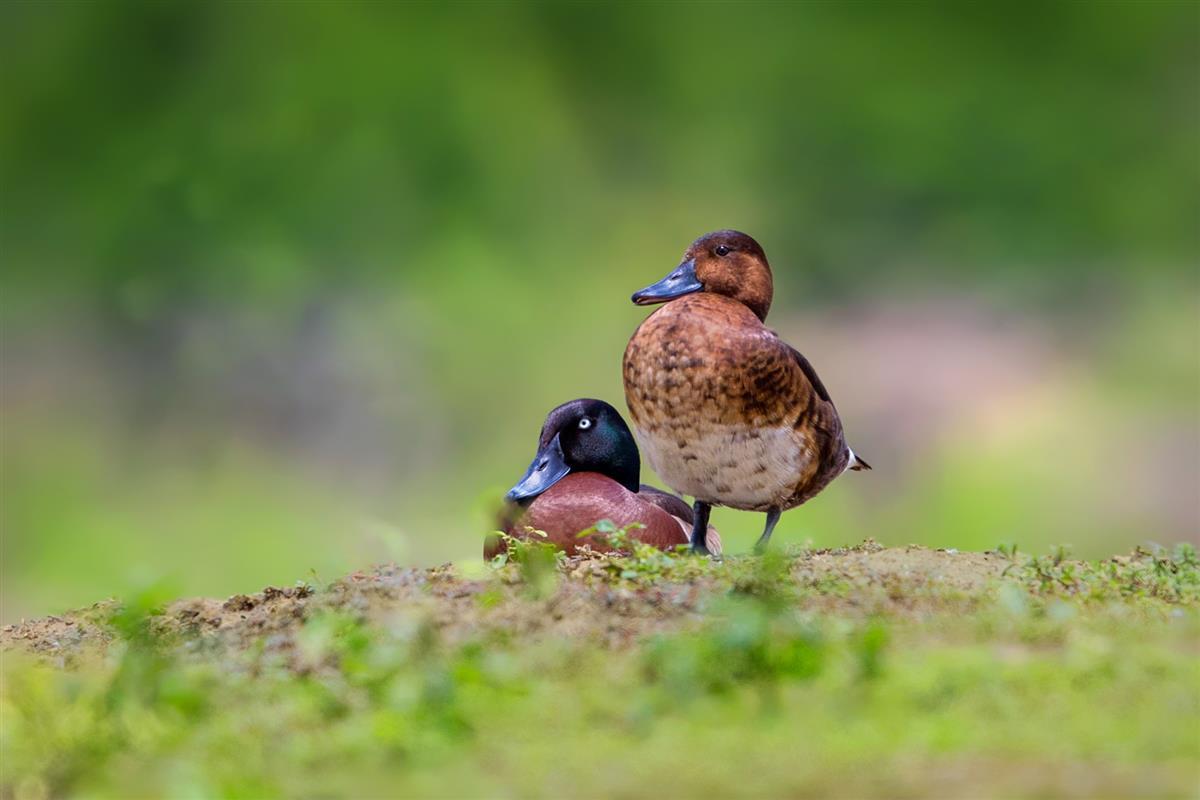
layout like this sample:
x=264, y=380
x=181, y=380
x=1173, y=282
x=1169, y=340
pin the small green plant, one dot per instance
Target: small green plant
x=537, y=559
x=1171, y=576
x=634, y=562
x=1009, y=551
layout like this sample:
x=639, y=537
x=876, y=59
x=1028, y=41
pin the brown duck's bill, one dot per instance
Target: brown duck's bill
x=548, y=468
x=681, y=281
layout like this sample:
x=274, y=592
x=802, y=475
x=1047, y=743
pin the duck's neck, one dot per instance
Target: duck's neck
x=626, y=468
x=756, y=294
x=618, y=457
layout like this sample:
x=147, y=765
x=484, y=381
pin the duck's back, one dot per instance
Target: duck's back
x=726, y=411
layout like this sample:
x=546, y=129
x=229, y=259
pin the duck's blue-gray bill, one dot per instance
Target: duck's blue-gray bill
x=547, y=469
x=681, y=281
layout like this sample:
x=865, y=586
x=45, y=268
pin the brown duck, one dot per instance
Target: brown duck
x=725, y=410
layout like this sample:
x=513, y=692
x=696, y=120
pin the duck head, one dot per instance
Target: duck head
x=730, y=263
x=580, y=436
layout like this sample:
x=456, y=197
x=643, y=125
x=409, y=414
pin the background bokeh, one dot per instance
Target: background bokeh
x=288, y=288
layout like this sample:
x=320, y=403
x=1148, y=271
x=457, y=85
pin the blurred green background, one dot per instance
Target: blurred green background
x=288, y=288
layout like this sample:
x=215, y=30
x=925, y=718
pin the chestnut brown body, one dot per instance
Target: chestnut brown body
x=580, y=500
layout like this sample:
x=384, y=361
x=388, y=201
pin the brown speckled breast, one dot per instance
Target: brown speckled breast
x=726, y=411
x=581, y=499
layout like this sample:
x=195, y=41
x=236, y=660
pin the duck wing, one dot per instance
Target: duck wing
x=784, y=378
x=806, y=367
x=856, y=463
x=670, y=503
x=793, y=382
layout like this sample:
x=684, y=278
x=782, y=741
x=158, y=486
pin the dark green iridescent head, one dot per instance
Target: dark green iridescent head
x=581, y=436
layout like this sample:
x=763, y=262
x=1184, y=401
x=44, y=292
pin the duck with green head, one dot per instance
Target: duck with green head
x=587, y=469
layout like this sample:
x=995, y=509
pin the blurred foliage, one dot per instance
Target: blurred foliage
x=291, y=286
x=158, y=155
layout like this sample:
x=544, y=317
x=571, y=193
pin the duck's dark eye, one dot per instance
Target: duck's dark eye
x=721, y=250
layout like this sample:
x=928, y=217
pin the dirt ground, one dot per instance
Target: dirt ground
x=586, y=602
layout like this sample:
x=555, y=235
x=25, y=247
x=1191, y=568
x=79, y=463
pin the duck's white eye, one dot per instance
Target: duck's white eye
x=584, y=424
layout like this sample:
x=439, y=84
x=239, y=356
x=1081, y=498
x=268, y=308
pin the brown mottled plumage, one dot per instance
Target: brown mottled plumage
x=725, y=410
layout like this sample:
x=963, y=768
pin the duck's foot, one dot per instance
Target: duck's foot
x=699, y=534
x=773, y=515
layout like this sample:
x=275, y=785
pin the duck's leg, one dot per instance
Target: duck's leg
x=772, y=518
x=700, y=528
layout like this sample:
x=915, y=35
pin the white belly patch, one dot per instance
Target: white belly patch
x=750, y=469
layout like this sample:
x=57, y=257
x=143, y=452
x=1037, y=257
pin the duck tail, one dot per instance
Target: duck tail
x=856, y=463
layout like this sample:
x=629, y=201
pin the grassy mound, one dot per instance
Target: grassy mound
x=854, y=672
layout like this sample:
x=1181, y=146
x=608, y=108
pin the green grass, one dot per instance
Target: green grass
x=860, y=672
